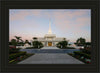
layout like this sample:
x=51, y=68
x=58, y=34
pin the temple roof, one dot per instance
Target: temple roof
x=50, y=35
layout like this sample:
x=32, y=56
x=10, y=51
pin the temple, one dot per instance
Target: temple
x=49, y=39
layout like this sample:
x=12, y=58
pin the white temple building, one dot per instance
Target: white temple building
x=49, y=39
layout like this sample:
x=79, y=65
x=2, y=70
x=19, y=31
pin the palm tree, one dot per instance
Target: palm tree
x=18, y=38
x=21, y=40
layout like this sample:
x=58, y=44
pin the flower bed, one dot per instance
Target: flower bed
x=13, y=59
x=15, y=55
x=84, y=57
x=77, y=53
x=13, y=50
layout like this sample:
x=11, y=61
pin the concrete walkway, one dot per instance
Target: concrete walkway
x=49, y=48
x=51, y=58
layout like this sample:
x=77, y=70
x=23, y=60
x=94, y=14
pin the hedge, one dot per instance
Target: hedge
x=77, y=53
x=86, y=51
x=15, y=55
x=14, y=50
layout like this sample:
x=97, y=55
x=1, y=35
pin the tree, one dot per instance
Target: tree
x=26, y=41
x=34, y=38
x=14, y=42
x=37, y=44
x=62, y=44
x=81, y=41
x=69, y=44
x=21, y=43
x=87, y=45
x=18, y=38
x=21, y=40
x=64, y=39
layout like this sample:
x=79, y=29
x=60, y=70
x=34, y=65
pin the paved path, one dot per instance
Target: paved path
x=51, y=58
x=49, y=48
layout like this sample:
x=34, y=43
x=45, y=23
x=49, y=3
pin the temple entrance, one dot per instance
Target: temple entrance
x=49, y=43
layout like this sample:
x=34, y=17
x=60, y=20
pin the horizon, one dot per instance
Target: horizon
x=69, y=23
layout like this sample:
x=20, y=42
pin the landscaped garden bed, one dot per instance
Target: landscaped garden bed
x=16, y=56
x=84, y=56
x=19, y=58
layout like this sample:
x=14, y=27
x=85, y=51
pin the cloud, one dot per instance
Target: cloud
x=17, y=14
x=73, y=24
x=71, y=21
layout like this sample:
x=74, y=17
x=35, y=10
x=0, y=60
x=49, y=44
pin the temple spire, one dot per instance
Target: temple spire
x=49, y=31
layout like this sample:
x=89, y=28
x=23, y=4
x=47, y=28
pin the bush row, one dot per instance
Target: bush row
x=15, y=55
x=86, y=51
x=77, y=53
x=18, y=59
x=14, y=50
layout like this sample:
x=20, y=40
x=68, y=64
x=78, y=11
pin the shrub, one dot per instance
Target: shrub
x=15, y=55
x=62, y=44
x=86, y=51
x=77, y=53
x=14, y=50
x=11, y=61
x=37, y=44
x=87, y=56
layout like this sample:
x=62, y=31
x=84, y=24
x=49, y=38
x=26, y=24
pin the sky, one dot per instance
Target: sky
x=69, y=23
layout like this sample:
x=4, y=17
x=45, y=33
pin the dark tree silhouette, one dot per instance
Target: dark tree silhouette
x=81, y=41
x=18, y=38
x=26, y=41
x=13, y=42
x=37, y=44
x=62, y=44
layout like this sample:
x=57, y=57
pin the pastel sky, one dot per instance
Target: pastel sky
x=69, y=23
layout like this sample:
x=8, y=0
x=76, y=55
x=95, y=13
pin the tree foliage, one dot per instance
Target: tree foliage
x=80, y=41
x=26, y=41
x=62, y=44
x=37, y=44
x=13, y=42
x=34, y=37
x=18, y=38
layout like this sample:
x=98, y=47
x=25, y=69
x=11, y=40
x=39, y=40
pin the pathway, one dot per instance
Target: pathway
x=50, y=48
x=51, y=58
